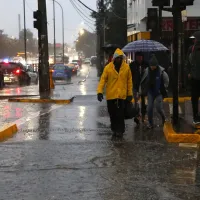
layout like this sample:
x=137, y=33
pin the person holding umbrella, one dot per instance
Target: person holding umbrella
x=137, y=69
x=154, y=85
x=118, y=80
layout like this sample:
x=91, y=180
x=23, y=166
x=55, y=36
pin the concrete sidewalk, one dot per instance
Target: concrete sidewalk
x=67, y=152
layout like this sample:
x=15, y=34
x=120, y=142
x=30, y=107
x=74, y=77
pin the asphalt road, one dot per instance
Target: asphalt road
x=67, y=152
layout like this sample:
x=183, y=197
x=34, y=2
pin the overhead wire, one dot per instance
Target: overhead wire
x=86, y=6
x=28, y=6
x=86, y=21
x=73, y=1
x=84, y=10
x=118, y=16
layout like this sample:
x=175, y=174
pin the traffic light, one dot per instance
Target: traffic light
x=186, y=2
x=38, y=22
x=152, y=19
x=161, y=3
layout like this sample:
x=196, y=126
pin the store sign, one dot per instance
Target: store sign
x=190, y=24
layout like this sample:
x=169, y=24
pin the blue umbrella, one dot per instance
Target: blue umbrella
x=144, y=46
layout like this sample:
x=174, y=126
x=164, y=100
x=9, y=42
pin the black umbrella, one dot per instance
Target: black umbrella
x=197, y=35
x=110, y=48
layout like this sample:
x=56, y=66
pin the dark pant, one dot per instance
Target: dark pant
x=195, y=94
x=116, y=112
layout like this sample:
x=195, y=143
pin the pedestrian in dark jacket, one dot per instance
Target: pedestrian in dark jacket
x=193, y=71
x=137, y=69
x=154, y=84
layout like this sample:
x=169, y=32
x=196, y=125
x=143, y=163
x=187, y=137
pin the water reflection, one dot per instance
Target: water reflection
x=18, y=90
x=82, y=110
x=9, y=112
x=83, y=89
x=44, y=122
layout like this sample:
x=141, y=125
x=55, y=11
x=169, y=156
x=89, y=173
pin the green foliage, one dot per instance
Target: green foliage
x=86, y=43
x=10, y=46
x=115, y=13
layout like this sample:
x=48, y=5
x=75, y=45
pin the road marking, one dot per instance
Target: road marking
x=33, y=115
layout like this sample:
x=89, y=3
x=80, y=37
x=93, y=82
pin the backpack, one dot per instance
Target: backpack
x=163, y=89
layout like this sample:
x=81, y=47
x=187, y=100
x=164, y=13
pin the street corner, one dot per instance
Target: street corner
x=53, y=101
x=8, y=131
x=177, y=137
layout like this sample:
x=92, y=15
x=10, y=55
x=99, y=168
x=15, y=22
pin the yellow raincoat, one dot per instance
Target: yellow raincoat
x=118, y=85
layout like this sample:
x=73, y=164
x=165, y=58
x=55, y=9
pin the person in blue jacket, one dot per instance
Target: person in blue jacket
x=154, y=84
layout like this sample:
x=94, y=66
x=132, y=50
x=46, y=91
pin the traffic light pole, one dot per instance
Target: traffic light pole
x=44, y=82
x=176, y=13
x=160, y=22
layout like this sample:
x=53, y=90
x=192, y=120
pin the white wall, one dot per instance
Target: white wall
x=138, y=10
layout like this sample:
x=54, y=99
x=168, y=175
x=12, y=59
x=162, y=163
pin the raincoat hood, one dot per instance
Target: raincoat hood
x=118, y=53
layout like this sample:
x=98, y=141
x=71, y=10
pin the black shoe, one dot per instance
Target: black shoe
x=149, y=126
x=196, y=122
x=137, y=121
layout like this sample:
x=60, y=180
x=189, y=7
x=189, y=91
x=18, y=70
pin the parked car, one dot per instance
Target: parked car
x=16, y=73
x=61, y=72
x=87, y=61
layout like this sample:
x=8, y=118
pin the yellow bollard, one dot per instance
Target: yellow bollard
x=52, y=86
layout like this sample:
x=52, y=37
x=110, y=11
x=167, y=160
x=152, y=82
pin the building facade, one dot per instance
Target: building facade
x=137, y=18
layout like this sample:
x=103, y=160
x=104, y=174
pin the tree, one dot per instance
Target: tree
x=115, y=21
x=31, y=41
x=86, y=43
x=29, y=35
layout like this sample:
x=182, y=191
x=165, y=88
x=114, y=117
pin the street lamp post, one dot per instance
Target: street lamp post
x=54, y=31
x=24, y=5
x=63, y=30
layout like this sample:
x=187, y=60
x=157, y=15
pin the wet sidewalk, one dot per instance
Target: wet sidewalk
x=67, y=152
x=186, y=119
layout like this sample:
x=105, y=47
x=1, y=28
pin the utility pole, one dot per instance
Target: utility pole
x=41, y=24
x=102, y=32
x=176, y=10
x=54, y=31
x=25, y=49
x=63, y=30
x=19, y=24
x=160, y=22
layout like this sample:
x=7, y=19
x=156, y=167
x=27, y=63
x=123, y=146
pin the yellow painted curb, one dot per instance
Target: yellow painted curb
x=173, y=137
x=170, y=100
x=56, y=101
x=180, y=99
x=7, y=131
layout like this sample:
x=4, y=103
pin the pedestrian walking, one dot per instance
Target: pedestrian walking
x=193, y=70
x=154, y=84
x=118, y=81
x=137, y=69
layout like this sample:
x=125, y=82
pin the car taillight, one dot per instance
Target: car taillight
x=17, y=71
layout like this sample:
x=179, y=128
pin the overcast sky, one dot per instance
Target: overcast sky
x=73, y=21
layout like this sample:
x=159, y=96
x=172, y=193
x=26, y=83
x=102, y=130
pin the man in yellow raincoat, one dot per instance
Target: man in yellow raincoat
x=118, y=81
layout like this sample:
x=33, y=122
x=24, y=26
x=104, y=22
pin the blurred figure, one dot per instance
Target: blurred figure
x=118, y=80
x=137, y=69
x=193, y=71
